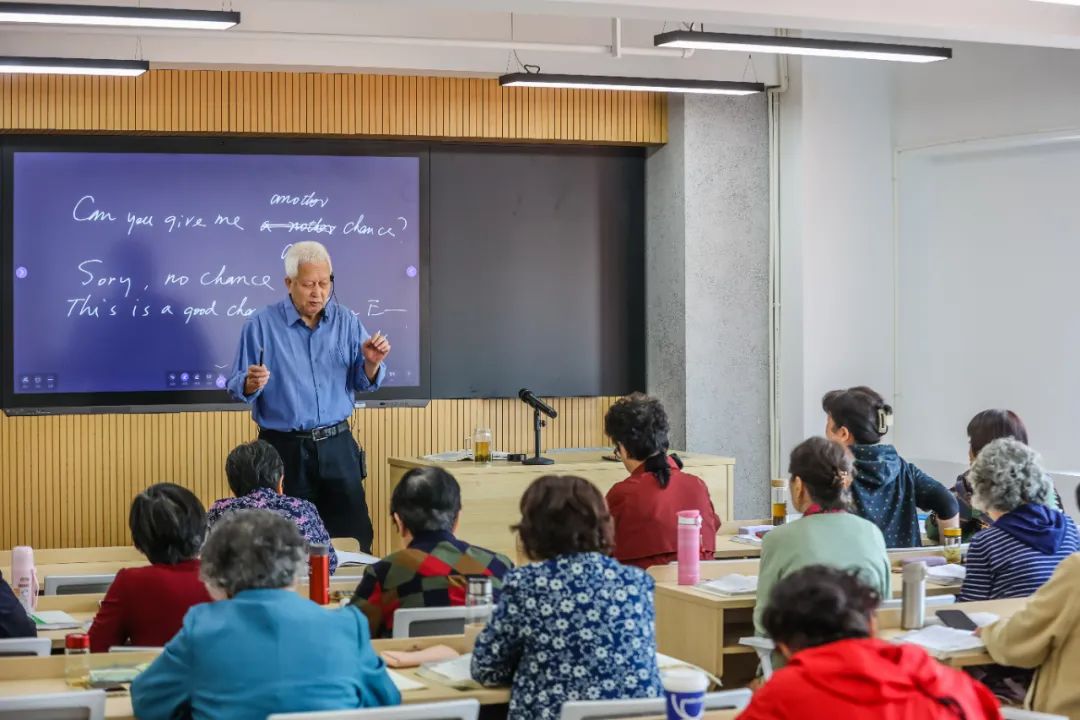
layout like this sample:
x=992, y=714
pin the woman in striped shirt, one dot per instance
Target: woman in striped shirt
x=1029, y=537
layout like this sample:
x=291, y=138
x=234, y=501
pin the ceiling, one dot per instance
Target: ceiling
x=475, y=37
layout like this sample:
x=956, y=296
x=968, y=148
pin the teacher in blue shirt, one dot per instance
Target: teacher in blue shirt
x=299, y=364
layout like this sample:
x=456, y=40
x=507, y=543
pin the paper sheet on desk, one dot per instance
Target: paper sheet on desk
x=460, y=455
x=54, y=620
x=942, y=640
x=946, y=574
x=346, y=558
x=403, y=683
x=733, y=584
x=456, y=673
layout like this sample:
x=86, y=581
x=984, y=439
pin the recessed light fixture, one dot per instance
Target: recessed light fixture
x=784, y=45
x=604, y=82
x=72, y=66
x=50, y=14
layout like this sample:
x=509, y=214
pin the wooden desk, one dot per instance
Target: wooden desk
x=703, y=628
x=61, y=556
x=889, y=628
x=29, y=676
x=491, y=494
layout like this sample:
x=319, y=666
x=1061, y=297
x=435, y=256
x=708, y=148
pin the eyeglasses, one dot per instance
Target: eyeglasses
x=616, y=453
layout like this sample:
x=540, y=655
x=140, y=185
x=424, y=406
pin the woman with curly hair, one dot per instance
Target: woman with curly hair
x=644, y=506
x=1016, y=555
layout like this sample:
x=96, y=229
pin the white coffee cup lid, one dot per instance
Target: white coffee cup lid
x=684, y=680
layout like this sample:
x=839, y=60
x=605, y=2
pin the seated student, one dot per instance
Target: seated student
x=645, y=505
x=255, y=472
x=14, y=622
x=1020, y=551
x=1045, y=634
x=576, y=624
x=822, y=620
x=827, y=534
x=433, y=568
x=887, y=490
x=985, y=427
x=261, y=648
x=146, y=605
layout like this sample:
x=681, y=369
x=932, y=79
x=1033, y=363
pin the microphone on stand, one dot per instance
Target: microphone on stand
x=527, y=397
x=538, y=406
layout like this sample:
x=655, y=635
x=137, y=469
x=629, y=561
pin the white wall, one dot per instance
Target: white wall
x=836, y=242
x=841, y=123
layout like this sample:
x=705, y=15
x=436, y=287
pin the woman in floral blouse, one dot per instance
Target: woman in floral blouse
x=255, y=472
x=575, y=624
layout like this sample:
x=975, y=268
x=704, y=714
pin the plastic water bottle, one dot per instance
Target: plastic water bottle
x=913, y=597
x=319, y=573
x=689, y=544
x=24, y=577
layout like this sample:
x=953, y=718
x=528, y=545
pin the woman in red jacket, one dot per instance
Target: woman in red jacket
x=822, y=620
x=644, y=505
x=146, y=605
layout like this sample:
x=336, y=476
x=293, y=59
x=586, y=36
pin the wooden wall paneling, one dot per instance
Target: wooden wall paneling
x=69, y=480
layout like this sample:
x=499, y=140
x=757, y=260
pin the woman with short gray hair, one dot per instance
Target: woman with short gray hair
x=1028, y=538
x=261, y=648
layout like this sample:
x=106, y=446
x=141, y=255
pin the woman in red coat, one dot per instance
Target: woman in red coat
x=822, y=620
x=644, y=505
x=146, y=605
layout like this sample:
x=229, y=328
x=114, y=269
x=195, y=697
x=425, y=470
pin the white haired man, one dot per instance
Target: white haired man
x=299, y=365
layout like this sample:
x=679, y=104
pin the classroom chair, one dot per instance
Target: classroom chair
x=452, y=710
x=80, y=705
x=645, y=707
x=425, y=622
x=346, y=544
x=1011, y=713
x=25, y=647
x=76, y=584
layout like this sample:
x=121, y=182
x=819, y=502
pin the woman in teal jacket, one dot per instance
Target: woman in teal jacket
x=261, y=648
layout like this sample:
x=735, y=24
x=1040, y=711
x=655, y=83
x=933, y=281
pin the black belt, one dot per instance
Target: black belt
x=320, y=433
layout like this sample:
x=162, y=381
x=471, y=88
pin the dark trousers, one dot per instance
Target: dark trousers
x=330, y=474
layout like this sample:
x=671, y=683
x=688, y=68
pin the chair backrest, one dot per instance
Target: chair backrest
x=644, y=707
x=347, y=544
x=452, y=710
x=1011, y=713
x=425, y=622
x=25, y=647
x=931, y=601
x=82, y=705
x=77, y=584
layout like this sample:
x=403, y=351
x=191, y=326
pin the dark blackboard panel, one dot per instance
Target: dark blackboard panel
x=537, y=279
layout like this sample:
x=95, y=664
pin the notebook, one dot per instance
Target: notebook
x=349, y=559
x=54, y=620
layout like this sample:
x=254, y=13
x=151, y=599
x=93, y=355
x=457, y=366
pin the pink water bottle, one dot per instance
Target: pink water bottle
x=24, y=576
x=689, y=541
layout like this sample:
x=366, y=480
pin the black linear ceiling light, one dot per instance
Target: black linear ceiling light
x=50, y=14
x=783, y=45
x=72, y=66
x=603, y=82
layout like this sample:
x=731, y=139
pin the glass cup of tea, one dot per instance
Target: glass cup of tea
x=481, y=445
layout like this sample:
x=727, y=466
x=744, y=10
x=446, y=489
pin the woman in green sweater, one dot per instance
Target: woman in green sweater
x=827, y=534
